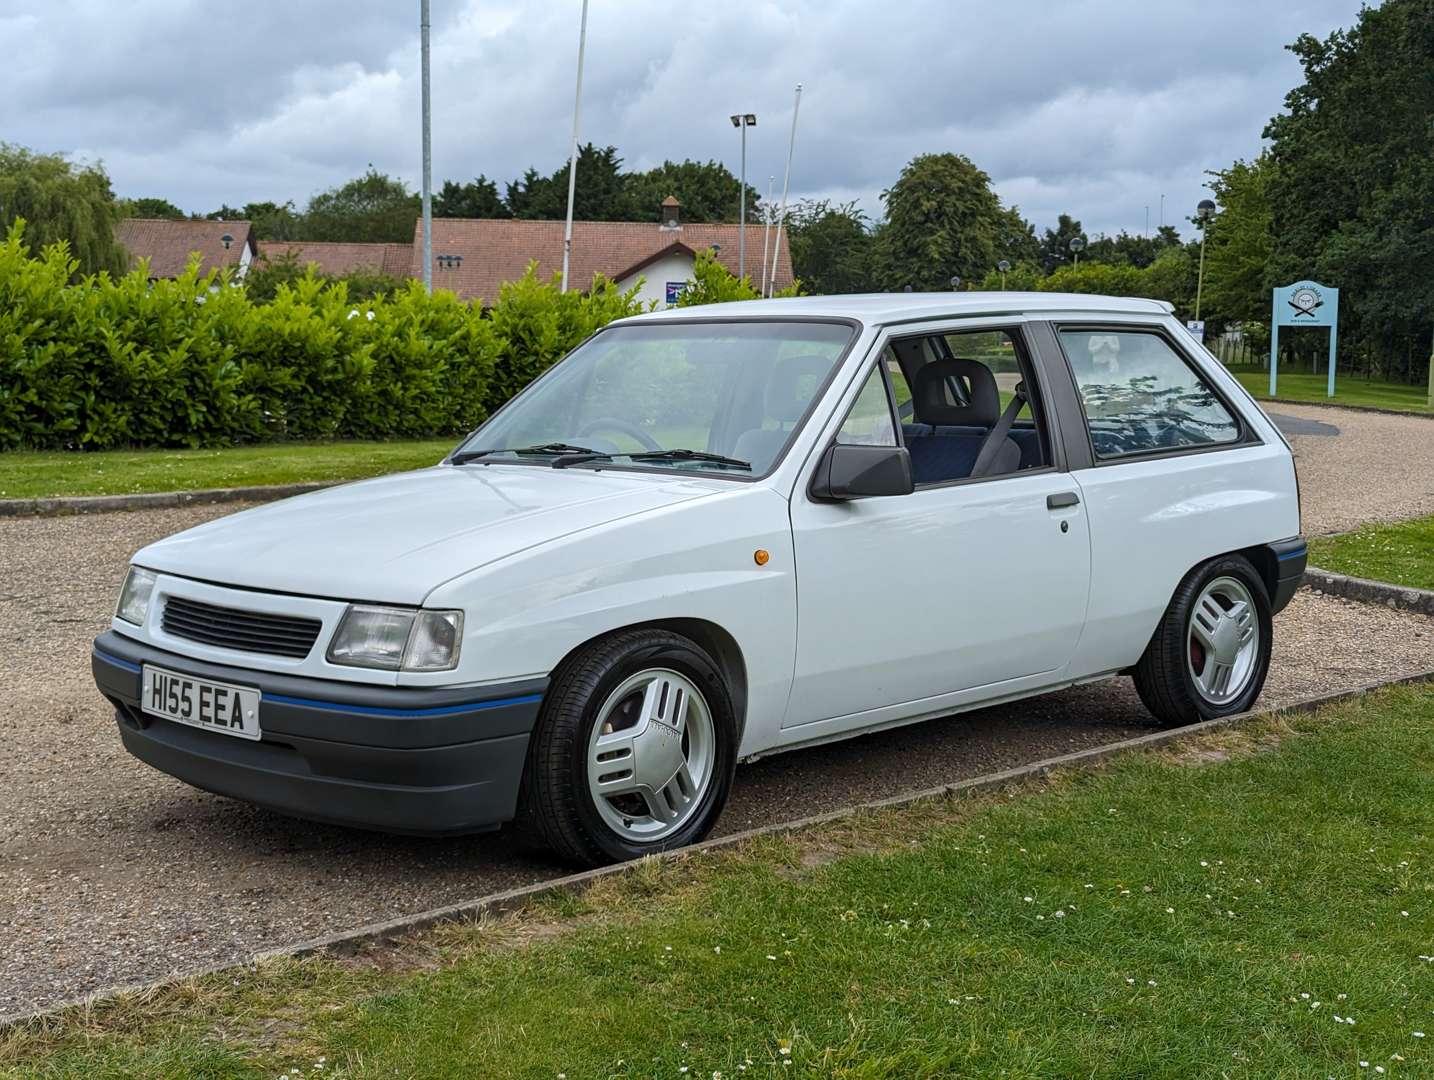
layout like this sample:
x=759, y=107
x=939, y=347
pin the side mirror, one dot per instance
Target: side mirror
x=854, y=471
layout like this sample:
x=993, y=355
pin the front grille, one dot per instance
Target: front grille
x=232, y=628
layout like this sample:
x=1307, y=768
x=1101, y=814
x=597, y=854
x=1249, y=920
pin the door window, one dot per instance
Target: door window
x=1140, y=395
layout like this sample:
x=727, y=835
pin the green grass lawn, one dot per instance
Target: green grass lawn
x=1348, y=390
x=30, y=475
x=1402, y=553
x=1258, y=904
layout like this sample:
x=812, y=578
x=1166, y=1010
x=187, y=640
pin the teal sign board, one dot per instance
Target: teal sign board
x=1305, y=303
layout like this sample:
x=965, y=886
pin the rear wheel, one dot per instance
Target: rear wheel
x=1209, y=656
x=634, y=751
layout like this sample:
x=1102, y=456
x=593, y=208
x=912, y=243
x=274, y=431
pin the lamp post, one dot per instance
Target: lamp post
x=1077, y=245
x=955, y=282
x=1203, y=213
x=1004, y=266
x=743, y=121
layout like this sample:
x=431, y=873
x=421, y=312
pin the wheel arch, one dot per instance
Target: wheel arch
x=715, y=640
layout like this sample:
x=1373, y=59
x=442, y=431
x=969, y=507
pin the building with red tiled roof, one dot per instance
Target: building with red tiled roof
x=168, y=244
x=339, y=259
x=474, y=257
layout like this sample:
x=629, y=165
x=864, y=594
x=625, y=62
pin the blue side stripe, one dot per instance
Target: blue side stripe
x=365, y=710
x=116, y=661
x=1294, y=554
x=374, y=710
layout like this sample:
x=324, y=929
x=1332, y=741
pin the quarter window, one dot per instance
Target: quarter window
x=869, y=423
x=1140, y=395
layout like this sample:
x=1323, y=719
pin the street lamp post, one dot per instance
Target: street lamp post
x=1077, y=245
x=427, y=198
x=1004, y=266
x=1203, y=213
x=955, y=282
x=743, y=121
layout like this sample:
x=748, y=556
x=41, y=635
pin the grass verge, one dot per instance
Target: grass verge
x=1401, y=553
x=43, y=474
x=1349, y=390
x=1259, y=903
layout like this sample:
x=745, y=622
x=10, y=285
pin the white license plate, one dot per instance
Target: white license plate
x=233, y=710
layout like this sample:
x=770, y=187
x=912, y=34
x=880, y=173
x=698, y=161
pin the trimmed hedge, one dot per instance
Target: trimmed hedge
x=194, y=361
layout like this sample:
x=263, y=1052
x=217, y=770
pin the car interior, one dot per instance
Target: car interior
x=966, y=408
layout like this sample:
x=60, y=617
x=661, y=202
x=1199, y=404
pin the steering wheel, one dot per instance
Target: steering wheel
x=612, y=423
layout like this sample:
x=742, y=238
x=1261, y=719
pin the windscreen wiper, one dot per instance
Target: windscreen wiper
x=680, y=454
x=545, y=448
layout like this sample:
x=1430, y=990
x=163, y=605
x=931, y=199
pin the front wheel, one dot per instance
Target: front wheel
x=634, y=751
x=1209, y=656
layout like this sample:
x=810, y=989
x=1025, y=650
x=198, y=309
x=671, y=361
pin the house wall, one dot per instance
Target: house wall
x=675, y=267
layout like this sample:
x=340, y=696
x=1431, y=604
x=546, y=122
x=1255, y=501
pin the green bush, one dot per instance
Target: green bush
x=193, y=361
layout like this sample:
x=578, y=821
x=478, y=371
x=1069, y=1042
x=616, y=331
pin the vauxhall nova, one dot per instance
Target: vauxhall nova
x=714, y=533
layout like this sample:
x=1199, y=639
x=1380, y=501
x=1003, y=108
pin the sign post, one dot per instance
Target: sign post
x=1305, y=303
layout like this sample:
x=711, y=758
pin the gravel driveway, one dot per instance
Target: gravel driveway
x=111, y=872
x=1375, y=467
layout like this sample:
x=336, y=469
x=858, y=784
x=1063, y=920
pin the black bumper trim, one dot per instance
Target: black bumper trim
x=420, y=761
x=1290, y=558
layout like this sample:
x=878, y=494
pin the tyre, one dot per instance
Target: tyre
x=1210, y=654
x=633, y=752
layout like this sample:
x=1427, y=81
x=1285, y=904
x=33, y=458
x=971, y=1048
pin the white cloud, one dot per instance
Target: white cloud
x=1093, y=107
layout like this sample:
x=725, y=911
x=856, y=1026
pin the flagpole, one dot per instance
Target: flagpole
x=573, y=159
x=786, y=182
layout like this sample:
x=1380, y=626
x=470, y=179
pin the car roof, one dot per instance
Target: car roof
x=880, y=308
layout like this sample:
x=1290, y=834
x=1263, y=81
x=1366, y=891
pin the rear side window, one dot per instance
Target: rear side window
x=1140, y=395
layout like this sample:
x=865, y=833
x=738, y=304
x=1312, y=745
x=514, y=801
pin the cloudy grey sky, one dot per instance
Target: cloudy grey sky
x=1094, y=107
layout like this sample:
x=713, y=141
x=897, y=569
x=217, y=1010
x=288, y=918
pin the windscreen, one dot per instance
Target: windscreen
x=672, y=396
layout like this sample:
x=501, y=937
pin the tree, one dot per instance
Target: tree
x=1350, y=190
x=373, y=208
x=151, y=208
x=707, y=190
x=478, y=198
x=1239, y=241
x=600, y=195
x=267, y=220
x=267, y=274
x=1056, y=243
x=1016, y=242
x=942, y=219
x=61, y=201
x=831, y=247
x=1127, y=249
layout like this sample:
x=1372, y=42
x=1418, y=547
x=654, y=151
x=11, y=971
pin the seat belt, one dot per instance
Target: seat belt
x=997, y=436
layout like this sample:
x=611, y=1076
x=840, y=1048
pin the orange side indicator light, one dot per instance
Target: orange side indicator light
x=760, y=556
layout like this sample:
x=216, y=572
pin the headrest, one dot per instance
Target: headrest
x=933, y=402
x=792, y=385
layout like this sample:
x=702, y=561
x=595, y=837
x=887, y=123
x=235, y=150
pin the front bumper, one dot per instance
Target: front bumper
x=424, y=762
x=1290, y=558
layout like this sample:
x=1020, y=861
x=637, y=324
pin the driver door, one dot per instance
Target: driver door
x=961, y=591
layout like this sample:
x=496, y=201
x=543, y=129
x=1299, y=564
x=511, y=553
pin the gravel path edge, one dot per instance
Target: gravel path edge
x=1263, y=401
x=154, y=500
x=512, y=899
x=1403, y=597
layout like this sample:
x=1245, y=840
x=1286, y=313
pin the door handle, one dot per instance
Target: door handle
x=1062, y=500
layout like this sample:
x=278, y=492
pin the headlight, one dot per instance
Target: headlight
x=134, y=596
x=397, y=638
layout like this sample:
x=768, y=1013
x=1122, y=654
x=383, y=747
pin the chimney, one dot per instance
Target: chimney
x=671, y=213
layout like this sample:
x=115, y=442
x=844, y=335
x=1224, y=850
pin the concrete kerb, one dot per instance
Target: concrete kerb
x=1419, y=601
x=514, y=899
x=157, y=500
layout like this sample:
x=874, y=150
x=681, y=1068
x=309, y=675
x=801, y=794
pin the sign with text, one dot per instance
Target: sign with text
x=1197, y=329
x=1305, y=303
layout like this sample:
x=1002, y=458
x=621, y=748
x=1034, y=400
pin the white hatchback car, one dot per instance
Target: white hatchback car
x=714, y=533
